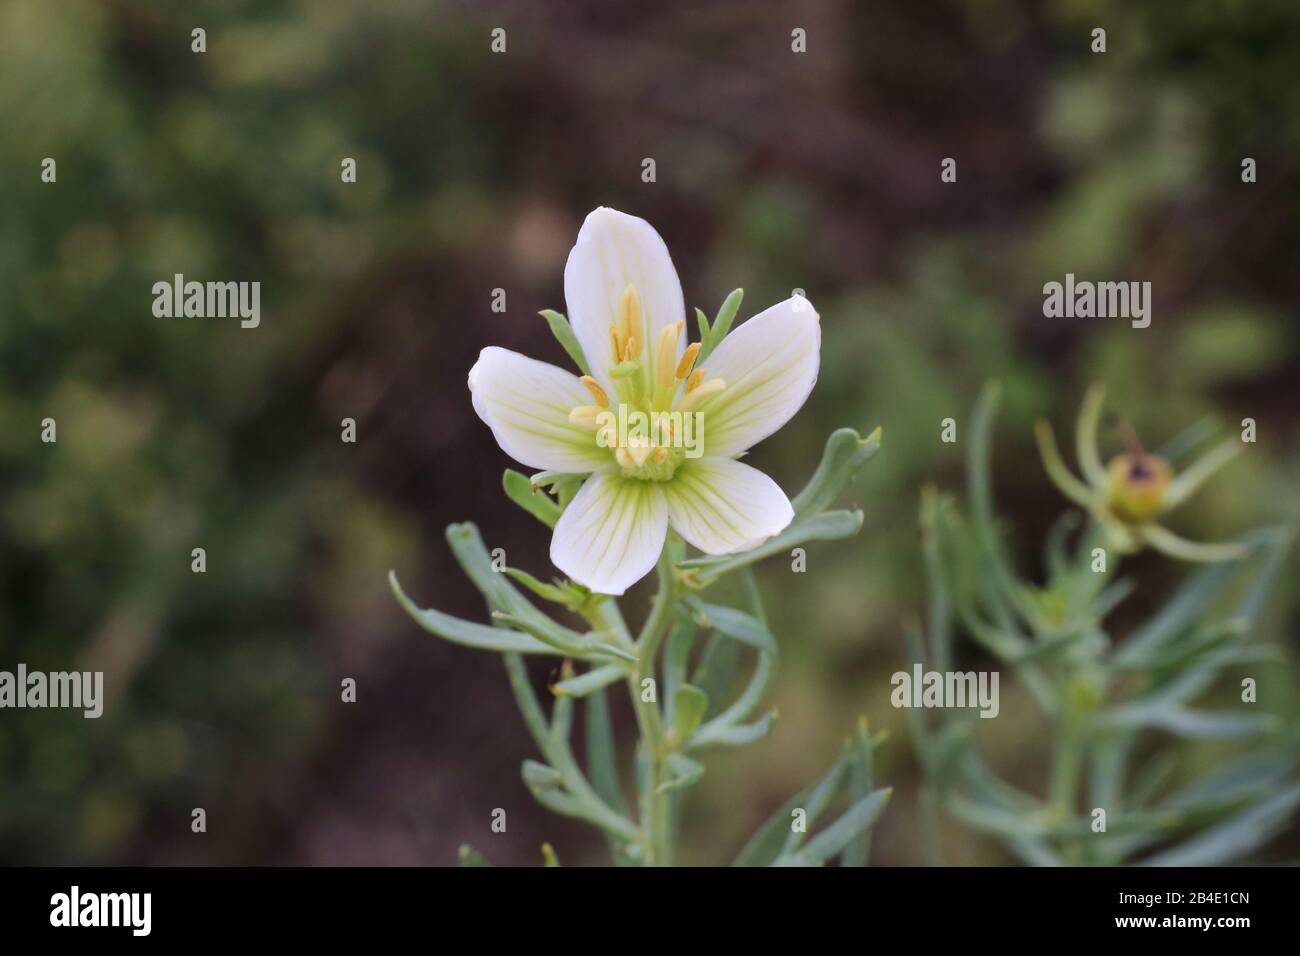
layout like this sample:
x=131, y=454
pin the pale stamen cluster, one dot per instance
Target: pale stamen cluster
x=650, y=386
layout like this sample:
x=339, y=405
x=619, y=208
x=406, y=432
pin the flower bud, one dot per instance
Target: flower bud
x=1135, y=486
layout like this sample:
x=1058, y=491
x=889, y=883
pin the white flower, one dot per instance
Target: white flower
x=625, y=305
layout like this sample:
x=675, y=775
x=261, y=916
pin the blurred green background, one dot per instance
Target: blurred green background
x=775, y=170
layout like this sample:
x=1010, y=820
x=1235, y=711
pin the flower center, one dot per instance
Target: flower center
x=656, y=424
x=1136, y=486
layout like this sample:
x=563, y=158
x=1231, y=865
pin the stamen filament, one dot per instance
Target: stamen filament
x=588, y=416
x=666, y=352
x=597, y=392
x=629, y=314
x=696, y=396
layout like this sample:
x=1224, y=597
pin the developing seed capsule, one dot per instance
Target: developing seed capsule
x=1135, y=486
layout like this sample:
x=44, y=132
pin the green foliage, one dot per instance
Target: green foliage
x=680, y=717
x=1121, y=712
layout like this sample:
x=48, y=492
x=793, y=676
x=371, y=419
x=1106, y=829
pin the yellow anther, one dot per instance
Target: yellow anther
x=693, y=382
x=635, y=454
x=688, y=360
x=633, y=349
x=587, y=416
x=616, y=343
x=705, y=390
x=661, y=455
x=669, y=336
x=597, y=392
x=629, y=314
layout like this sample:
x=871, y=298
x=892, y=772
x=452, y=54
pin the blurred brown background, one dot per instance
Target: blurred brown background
x=775, y=170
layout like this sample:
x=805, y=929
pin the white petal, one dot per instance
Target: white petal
x=615, y=250
x=769, y=365
x=720, y=505
x=611, y=533
x=526, y=403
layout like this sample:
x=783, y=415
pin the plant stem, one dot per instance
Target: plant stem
x=1066, y=764
x=654, y=805
x=587, y=803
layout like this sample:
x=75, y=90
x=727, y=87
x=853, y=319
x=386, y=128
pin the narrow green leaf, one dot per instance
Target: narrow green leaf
x=819, y=798
x=1258, y=773
x=1085, y=436
x=858, y=818
x=861, y=777
x=827, y=526
x=703, y=322
x=564, y=334
x=766, y=843
x=537, y=774
x=677, y=655
x=689, y=705
x=562, y=710
x=468, y=856
x=470, y=552
x=1196, y=724
x=1186, y=482
x=589, y=681
x=570, y=643
x=845, y=453
x=467, y=633
x=1181, y=445
x=601, y=762
x=1235, y=837
x=536, y=502
x=733, y=735
x=548, y=592
x=736, y=624
x=1189, y=604
x=684, y=772
x=716, y=671
x=721, y=324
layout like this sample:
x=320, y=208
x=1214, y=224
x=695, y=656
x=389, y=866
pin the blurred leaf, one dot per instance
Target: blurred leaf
x=770, y=839
x=859, y=819
x=721, y=325
x=861, y=782
x=827, y=526
x=533, y=500
x=683, y=771
x=468, y=856
x=689, y=705
x=590, y=682
x=548, y=592
x=1235, y=837
x=541, y=776
x=468, y=633
x=716, y=671
x=564, y=334
x=733, y=735
x=845, y=453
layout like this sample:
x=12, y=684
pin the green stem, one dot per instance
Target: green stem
x=587, y=803
x=1066, y=765
x=655, y=809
